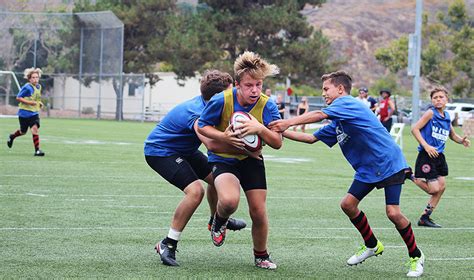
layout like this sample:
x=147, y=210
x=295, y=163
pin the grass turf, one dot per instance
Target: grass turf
x=92, y=208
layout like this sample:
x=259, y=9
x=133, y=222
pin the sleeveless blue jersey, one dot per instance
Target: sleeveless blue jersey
x=175, y=133
x=365, y=143
x=436, y=131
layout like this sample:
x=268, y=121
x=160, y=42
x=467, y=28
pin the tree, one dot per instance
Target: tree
x=447, y=51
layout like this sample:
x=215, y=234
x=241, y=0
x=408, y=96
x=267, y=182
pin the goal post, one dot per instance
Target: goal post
x=8, y=85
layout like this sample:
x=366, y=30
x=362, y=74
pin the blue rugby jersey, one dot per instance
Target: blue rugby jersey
x=27, y=91
x=436, y=131
x=175, y=133
x=365, y=143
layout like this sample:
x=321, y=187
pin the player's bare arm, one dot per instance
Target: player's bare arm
x=222, y=147
x=252, y=126
x=300, y=136
x=458, y=139
x=415, y=130
x=227, y=136
x=29, y=102
x=308, y=117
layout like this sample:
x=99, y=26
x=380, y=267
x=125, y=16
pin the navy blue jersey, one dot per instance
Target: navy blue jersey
x=365, y=143
x=212, y=114
x=175, y=133
x=436, y=131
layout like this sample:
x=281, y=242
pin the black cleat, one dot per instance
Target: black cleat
x=167, y=253
x=427, y=222
x=236, y=224
x=10, y=141
x=39, y=153
x=232, y=224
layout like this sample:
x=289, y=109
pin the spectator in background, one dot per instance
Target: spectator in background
x=281, y=106
x=303, y=107
x=268, y=92
x=364, y=97
x=386, y=109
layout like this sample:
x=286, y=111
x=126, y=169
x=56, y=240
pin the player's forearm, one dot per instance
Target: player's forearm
x=210, y=132
x=271, y=138
x=300, y=136
x=26, y=101
x=310, y=117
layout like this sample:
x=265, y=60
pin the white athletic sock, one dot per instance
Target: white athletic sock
x=174, y=234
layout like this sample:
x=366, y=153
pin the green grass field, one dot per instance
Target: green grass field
x=92, y=208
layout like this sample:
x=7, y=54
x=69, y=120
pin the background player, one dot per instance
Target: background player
x=30, y=105
x=432, y=131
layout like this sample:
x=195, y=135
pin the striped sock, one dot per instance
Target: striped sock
x=36, y=141
x=409, y=238
x=361, y=223
x=15, y=135
x=260, y=254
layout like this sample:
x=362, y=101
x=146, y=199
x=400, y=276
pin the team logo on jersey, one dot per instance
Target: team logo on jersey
x=179, y=160
x=426, y=168
x=341, y=136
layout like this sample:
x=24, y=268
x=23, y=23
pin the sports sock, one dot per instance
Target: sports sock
x=210, y=220
x=174, y=234
x=15, y=135
x=260, y=254
x=219, y=221
x=361, y=223
x=36, y=141
x=409, y=238
x=427, y=212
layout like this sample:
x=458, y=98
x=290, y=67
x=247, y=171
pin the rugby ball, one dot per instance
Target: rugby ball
x=252, y=141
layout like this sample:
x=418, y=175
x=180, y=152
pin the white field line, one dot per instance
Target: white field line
x=200, y=228
x=452, y=259
x=180, y=196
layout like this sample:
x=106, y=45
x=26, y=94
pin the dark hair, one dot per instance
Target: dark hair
x=364, y=89
x=339, y=78
x=385, y=90
x=214, y=81
x=438, y=89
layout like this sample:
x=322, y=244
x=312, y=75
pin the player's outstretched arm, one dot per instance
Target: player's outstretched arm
x=300, y=136
x=308, y=117
x=415, y=130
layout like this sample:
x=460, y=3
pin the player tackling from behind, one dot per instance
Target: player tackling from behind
x=230, y=171
x=30, y=105
x=376, y=158
x=171, y=150
x=432, y=131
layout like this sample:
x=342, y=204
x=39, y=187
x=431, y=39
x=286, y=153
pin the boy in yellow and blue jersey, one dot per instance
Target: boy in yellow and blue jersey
x=30, y=105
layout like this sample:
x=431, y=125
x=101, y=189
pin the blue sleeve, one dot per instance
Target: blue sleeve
x=26, y=91
x=212, y=113
x=372, y=102
x=327, y=134
x=341, y=109
x=270, y=112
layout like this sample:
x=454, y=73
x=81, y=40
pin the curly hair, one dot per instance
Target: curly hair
x=214, y=81
x=252, y=64
x=30, y=71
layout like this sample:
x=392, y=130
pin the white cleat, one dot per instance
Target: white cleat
x=416, y=266
x=365, y=253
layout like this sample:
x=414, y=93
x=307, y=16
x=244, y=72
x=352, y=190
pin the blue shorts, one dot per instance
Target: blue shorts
x=360, y=190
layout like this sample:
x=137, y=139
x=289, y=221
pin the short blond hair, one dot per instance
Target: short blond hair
x=252, y=64
x=30, y=71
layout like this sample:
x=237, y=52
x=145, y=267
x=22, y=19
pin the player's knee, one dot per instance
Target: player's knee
x=195, y=192
x=394, y=215
x=347, y=206
x=228, y=205
x=258, y=214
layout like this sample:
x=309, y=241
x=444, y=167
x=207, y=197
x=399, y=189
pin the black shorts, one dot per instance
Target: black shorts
x=25, y=123
x=430, y=168
x=250, y=172
x=180, y=170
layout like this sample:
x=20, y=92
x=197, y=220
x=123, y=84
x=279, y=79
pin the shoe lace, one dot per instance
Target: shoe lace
x=412, y=263
x=361, y=250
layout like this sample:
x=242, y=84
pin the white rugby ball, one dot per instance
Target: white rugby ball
x=252, y=141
